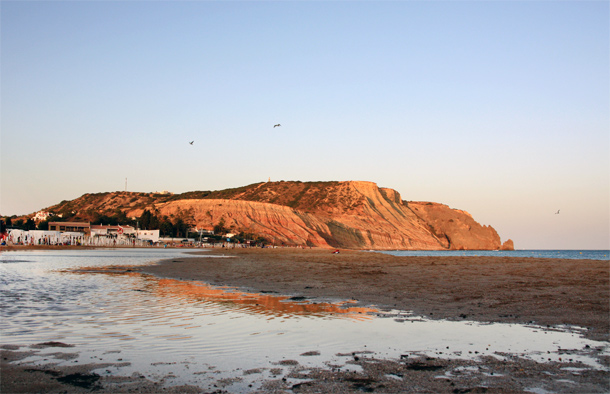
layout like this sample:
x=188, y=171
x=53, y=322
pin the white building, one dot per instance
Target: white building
x=103, y=231
x=42, y=237
x=148, y=235
x=99, y=231
x=41, y=215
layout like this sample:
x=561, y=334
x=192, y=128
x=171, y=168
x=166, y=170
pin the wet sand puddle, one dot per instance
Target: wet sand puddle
x=187, y=332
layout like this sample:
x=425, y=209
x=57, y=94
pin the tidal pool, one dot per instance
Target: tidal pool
x=188, y=332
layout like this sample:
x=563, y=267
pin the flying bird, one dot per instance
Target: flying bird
x=276, y=125
x=191, y=142
x=557, y=213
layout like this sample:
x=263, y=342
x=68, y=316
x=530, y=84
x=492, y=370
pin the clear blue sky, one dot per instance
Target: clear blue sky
x=497, y=108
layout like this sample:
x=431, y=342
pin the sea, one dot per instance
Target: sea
x=552, y=254
x=179, y=332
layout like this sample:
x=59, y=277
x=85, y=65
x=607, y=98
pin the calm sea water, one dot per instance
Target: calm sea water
x=555, y=254
x=187, y=332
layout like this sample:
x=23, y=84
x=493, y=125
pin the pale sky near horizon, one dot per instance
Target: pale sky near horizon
x=498, y=108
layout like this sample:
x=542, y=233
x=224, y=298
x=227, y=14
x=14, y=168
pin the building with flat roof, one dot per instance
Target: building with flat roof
x=75, y=227
x=149, y=235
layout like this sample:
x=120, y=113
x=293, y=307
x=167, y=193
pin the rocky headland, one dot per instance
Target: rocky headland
x=350, y=214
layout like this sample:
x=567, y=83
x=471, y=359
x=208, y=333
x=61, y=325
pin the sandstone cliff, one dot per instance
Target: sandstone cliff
x=457, y=227
x=338, y=214
x=350, y=214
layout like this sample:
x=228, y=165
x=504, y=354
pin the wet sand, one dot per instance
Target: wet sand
x=489, y=289
x=20, y=377
x=412, y=374
x=550, y=292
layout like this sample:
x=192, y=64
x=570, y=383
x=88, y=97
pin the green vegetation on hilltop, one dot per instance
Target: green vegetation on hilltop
x=220, y=194
x=304, y=196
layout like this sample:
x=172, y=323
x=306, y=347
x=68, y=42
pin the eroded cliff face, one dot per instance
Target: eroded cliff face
x=458, y=227
x=352, y=214
x=274, y=222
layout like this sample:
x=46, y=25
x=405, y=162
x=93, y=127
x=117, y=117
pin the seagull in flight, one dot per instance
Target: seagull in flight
x=557, y=213
x=191, y=142
x=276, y=125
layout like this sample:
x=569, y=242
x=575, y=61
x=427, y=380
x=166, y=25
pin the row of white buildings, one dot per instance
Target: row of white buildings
x=78, y=233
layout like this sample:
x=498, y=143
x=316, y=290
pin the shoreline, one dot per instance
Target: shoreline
x=197, y=248
x=10, y=248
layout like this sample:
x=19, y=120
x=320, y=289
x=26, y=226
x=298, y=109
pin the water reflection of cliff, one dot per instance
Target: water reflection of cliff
x=231, y=298
x=258, y=303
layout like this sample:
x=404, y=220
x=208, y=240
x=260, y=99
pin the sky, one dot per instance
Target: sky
x=498, y=108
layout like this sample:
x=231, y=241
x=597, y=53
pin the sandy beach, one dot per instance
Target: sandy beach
x=546, y=292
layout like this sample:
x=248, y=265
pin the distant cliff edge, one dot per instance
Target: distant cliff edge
x=350, y=214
